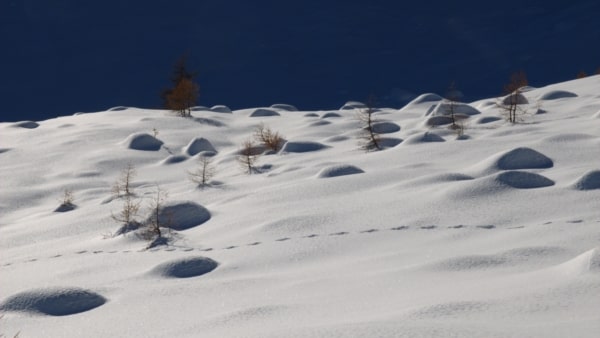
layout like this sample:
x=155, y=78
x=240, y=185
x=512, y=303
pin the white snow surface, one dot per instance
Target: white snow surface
x=425, y=239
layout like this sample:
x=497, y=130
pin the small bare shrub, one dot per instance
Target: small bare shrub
x=268, y=138
x=203, y=173
x=370, y=140
x=66, y=201
x=152, y=229
x=248, y=156
x=122, y=186
x=127, y=216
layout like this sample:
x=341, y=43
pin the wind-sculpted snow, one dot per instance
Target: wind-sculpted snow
x=199, y=145
x=557, y=94
x=339, y=170
x=220, y=109
x=351, y=105
x=142, y=141
x=183, y=215
x=26, y=124
x=174, y=159
x=54, y=301
x=264, y=112
x=496, y=236
x=426, y=137
x=515, y=159
x=284, y=106
x=589, y=181
x=385, y=127
x=523, y=180
x=185, y=267
x=302, y=147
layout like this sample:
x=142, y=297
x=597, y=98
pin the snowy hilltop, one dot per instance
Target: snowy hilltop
x=438, y=219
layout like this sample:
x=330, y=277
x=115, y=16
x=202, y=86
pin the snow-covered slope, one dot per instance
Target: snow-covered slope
x=494, y=233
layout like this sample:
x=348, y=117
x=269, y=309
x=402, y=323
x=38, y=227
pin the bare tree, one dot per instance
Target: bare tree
x=514, y=90
x=268, y=138
x=370, y=138
x=203, y=173
x=122, y=187
x=248, y=156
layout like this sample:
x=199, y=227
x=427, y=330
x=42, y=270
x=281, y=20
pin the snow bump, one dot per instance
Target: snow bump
x=54, y=301
x=185, y=268
x=339, y=170
x=142, y=141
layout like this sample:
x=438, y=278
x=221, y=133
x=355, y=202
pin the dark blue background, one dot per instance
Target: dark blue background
x=65, y=56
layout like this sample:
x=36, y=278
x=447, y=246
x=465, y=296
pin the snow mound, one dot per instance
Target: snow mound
x=283, y=106
x=523, y=180
x=54, y=301
x=589, y=181
x=385, y=127
x=142, y=141
x=427, y=97
x=319, y=123
x=515, y=159
x=199, y=108
x=199, y=145
x=425, y=137
x=488, y=119
x=302, y=147
x=557, y=94
x=442, y=120
x=183, y=215
x=117, y=108
x=515, y=98
x=339, y=170
x=65, y=207
x=26, y=124
x=311, y=115
x=330, y=115
x=337, y=138
x=389, y=142
x=220, y=109
x=173, y=159
x=353, y=105
x=263, y=112
x=445, y=108
x=523, y=158
x=185, y=268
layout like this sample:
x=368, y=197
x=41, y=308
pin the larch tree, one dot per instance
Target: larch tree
x=185, y=91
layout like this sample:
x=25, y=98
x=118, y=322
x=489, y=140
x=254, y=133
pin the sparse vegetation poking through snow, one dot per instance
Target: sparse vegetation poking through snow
x=248, y=156
x=452, y=98
x=514, y=89
x=127, y=216
x=268, y=138
x=203, y=173
x=122, y=186
x=370, y=140
x=66, y=201
x=152, y=230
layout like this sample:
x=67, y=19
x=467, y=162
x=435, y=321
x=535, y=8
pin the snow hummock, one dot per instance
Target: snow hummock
x=495, y=235
x=142, y=141
x=53, y=301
